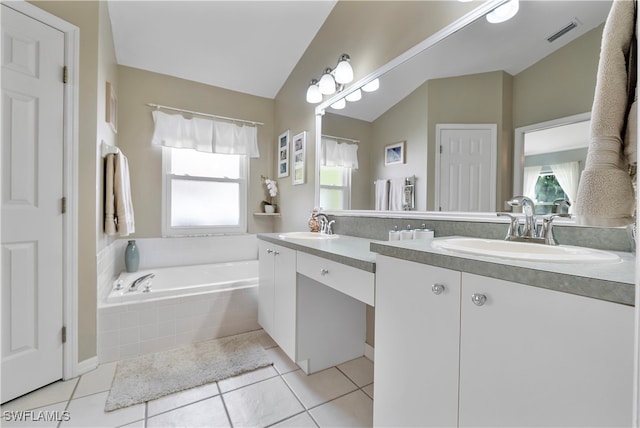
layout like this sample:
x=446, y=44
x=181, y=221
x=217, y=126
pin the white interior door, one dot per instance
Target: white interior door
x=466, y=167
x=32, y=188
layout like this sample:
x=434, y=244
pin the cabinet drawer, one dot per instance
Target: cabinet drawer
x=351, y=281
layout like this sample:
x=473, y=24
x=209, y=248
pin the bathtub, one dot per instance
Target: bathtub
x=184, y=280
x=185, y=304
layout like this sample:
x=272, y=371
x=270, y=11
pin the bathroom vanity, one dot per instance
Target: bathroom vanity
x=313, y=296
x=460, y=340
x=475, y=341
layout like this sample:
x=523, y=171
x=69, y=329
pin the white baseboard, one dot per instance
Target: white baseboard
x=368, y=351
x=87, y=365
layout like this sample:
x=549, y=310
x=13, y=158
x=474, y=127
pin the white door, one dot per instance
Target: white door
x=32, y=188
x=466, y=167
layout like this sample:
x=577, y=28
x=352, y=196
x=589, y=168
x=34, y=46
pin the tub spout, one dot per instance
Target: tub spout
x=135, y=284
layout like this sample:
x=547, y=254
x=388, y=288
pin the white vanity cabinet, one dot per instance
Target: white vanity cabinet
x=277, y=295
x=416, y=344
x=487, y=352
x=537, y=357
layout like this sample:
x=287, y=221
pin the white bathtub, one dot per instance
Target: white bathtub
x=184, y=280
x=186, y=304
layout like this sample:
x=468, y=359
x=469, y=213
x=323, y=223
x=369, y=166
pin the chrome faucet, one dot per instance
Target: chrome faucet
x=135, y=284
x=530, y=232
x=326, y=226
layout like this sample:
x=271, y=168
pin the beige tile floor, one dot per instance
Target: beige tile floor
x=280, y=395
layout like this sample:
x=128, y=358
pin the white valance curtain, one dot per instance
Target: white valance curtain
x=204, y=135
x=335, y=153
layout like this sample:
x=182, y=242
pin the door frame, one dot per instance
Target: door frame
x=493, y=128
x=70, y=178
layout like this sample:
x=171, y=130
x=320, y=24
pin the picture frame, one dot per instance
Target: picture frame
x=111, y=116
x=299, y=143
x=394, y=153
x=283, y=154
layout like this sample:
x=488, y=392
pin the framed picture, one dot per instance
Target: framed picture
x=394, y=153
x=299, y=143
x=111, y=116
x=283, y=154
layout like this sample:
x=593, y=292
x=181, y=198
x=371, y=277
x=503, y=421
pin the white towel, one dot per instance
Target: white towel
x=605, y=194
x=382, y=195
x=118, y=208
x=396, y=194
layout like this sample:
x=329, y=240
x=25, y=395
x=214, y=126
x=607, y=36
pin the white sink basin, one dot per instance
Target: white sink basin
x=307, y=235
x=526, y=251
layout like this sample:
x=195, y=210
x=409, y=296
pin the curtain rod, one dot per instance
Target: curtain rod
x=340, y=138
x=158, y=106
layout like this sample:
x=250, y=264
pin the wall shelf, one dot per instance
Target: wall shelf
x=267, y=214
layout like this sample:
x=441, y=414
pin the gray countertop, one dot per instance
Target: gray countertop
x=348, y=250
x=614, y=282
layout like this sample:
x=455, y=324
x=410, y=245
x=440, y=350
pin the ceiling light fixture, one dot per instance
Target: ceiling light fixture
x=504, y=12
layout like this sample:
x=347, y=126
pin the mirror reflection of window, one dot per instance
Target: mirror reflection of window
x=335, y=188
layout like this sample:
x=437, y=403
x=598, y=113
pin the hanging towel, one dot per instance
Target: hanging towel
x=118, y=208
x=396, y=194
x=605, y=193
x=382, y=195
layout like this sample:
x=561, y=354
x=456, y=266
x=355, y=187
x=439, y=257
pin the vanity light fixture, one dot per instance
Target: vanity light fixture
x=339, y=105
x=504, y=12
x=343, y=71
x=372, y=86
x=327, y=83
x=354, y=96
x=313, y=92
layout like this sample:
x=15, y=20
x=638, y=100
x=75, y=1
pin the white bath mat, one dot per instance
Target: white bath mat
x=148, y=377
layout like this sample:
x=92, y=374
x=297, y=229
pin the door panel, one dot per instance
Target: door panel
x=32, y=228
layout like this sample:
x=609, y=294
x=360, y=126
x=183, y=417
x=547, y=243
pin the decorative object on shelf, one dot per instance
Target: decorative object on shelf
x=131, y=257
x=314, y=221
x=299, y=143
x=269, y=205
x=111, y=116
x=283, y=154
x=394, y=153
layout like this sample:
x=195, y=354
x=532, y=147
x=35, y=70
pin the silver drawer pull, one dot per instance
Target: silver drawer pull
x=478, y=299
x=323, y=272
x=437, y=289
x=269, y=251
x=275, y=253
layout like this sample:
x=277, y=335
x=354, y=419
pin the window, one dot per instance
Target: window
x=335, y=188
x=204, y=193
x=547, y=190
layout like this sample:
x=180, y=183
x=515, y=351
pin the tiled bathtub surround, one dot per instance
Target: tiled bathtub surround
x=378, y=227
x=139, y=328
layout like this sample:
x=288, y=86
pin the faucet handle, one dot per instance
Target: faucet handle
x=547, y=228
x=514, y=226
x=560, y=204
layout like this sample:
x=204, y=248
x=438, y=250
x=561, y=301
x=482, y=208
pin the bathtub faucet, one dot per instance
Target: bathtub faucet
x=135, y=284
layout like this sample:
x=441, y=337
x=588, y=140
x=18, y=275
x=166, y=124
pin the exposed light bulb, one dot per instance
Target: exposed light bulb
x=343, y=72
x=504, y=12
x=339, y=105
x=327, y=84
x=354, y=96
x=372, y=86
x=314, y=95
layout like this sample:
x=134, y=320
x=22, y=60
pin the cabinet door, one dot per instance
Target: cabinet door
x=284, y=315
x=536, y=357
x=266, y=286
x=416, y=344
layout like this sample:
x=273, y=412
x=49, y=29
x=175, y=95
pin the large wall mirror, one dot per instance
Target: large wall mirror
x=535, y=72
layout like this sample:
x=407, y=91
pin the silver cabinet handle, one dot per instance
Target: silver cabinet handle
x=275, y=253
x=269, y=251
x=437, y=289
x=478, y=299
x=323, y=272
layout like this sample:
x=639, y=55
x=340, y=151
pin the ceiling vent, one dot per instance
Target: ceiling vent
x=564, y=30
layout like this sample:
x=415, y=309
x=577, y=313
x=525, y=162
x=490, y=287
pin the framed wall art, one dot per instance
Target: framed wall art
x=394, y=153
x=283, y=154
x=298, y=148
